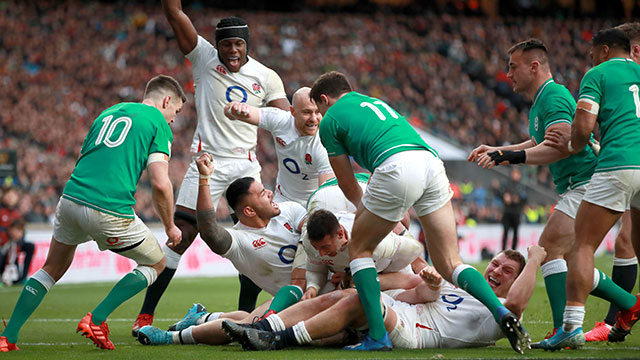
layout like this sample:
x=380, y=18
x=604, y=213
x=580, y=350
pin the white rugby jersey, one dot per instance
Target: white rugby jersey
x=382, y=255
x=457, y=318
x=215, y=86
x=265, y=255
x=300, y=158
x=331, y=198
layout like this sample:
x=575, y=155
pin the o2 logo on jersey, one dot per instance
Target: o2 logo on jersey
x=307, y=159
x=234, y=90
x=221, y=69
x=259, y=243
x=453, y=300
x=287, y=253
x=294, y=168
x=281, y=142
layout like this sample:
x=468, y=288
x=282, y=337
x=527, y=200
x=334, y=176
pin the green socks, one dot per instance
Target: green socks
x=285, y=297
x=32, y=294
x=126, y=288
x=606, y=289
x=555, y=281
x=367, y=283
x=471, y=281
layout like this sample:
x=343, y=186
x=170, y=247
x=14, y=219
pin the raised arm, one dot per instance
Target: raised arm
x=243, y=112
x=216, y=237
x=162, y=193
x=522, y=289
x=182, y=26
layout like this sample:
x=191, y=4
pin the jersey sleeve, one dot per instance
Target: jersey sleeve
x=162, y=139
x=324, y=167
x=330, y=137
x=273, y=119
x=200, y=55
x=296, y=214
x=235, y=250
x=275, y=87
x=590, y=87
x=557, y=110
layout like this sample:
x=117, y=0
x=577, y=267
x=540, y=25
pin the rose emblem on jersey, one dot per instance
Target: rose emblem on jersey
x=307, y=159
x=256, y=88
x=288, y=227
x=281, y=142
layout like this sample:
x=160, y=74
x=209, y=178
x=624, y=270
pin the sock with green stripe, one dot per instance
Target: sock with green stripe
x=470, y=280
x=605, y=288
x=367, y=283
x=125, y=289
x=554, y=273
x=32, y=294
x=285, y=297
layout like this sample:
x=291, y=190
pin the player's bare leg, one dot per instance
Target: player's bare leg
x=580, y=277
x=624, y=273
x=368, y=230
x=58, y=261
x=440, y=233
x=185, y=220
x=557, y=239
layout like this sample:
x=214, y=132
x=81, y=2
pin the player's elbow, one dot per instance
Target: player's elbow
x=161, y=186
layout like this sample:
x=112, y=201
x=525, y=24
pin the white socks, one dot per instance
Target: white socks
x=573, y=318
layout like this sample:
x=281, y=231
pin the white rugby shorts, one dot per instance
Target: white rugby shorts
x=408, y=178
x=76, y=224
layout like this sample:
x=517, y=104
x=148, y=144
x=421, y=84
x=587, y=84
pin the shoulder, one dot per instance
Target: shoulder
x=256, y=68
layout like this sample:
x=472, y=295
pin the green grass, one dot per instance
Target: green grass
x=50, y=331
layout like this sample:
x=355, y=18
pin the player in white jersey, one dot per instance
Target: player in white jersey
x=262, y=245
x=326, y=245
x=221, y=74
x=303, y=164
x=434, y=314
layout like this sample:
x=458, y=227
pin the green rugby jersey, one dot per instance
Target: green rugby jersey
x=114, y=155
x=367, y=129
x=554, y=104
x=614, y=86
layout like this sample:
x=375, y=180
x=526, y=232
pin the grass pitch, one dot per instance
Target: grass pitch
x=50, y=332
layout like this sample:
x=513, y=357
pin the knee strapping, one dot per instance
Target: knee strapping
x=148, y=272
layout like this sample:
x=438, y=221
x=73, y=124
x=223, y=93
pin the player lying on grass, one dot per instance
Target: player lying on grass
x=435, y=314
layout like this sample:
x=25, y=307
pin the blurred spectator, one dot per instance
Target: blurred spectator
x=8, y=212
x=10, y=253
x=514, y=197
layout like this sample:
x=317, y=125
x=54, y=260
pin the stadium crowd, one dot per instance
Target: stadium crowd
x=448, y=76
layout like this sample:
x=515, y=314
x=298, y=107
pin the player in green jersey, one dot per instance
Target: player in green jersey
x=625, y=262
x=406, y=173
x=553, y=107
x=97, y=203
x=608, y=95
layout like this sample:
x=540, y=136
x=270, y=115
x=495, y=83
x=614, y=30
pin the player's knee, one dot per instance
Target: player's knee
x=150, y=273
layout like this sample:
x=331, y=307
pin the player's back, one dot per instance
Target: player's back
x=114, y=155
x=615, y=86
x=367, y=129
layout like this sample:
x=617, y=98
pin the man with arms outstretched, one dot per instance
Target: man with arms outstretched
x=221, y=74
